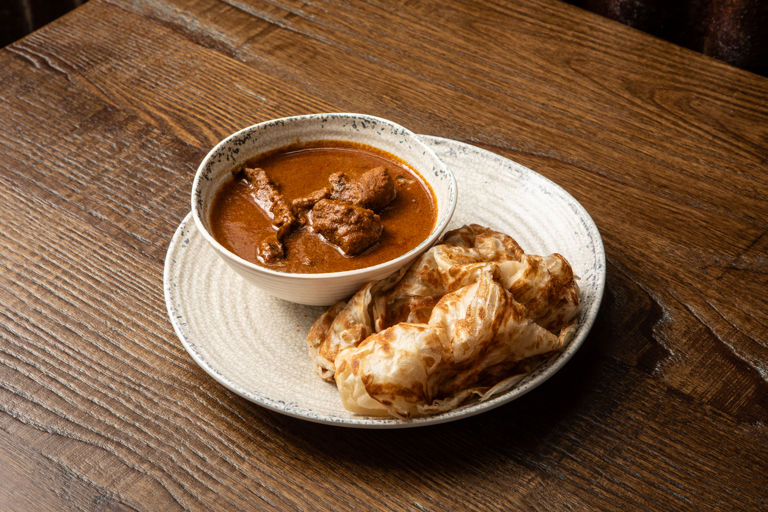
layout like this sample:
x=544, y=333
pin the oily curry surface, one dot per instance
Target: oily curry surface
x=241, y=223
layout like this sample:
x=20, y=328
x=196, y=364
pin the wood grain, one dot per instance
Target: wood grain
x=106, y=114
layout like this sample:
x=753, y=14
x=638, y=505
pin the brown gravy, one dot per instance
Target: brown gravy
x=239, y=224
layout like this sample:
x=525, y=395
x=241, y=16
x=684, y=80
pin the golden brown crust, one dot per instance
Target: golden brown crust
x=462, y=320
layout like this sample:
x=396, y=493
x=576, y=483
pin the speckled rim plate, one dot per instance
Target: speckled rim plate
x=254, y=344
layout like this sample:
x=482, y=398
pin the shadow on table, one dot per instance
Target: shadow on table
x=520, y=433
x=536, y=430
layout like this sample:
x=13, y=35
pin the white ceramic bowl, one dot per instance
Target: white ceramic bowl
x=327, y=288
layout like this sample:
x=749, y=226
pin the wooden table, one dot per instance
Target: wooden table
x=107, y=112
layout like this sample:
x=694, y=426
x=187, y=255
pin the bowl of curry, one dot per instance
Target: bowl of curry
x=310, y=208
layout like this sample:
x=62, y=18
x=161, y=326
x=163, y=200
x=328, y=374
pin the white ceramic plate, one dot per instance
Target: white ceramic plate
x=254, y=344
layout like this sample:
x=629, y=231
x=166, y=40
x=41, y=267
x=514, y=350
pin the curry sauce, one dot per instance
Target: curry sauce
x=240, y=224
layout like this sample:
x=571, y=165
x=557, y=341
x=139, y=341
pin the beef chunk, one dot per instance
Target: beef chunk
x=270, y=249
x=269, y=199
x=302, y=205
x=349, y=227
x=374, y=189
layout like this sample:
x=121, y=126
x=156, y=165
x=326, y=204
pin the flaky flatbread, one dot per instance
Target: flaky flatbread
x=460, y=321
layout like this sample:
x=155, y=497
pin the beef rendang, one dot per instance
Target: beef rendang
x=325, y=206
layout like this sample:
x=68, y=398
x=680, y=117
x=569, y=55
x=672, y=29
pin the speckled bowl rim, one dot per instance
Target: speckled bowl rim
x=531, y=381
x=444, y=215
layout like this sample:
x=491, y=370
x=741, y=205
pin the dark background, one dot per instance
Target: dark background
x=20, y=17
x=734, y=31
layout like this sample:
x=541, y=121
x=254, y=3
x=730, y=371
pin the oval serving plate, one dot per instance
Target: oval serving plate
x=254, y=344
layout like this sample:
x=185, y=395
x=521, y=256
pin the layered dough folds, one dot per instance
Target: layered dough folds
x=462, y=320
